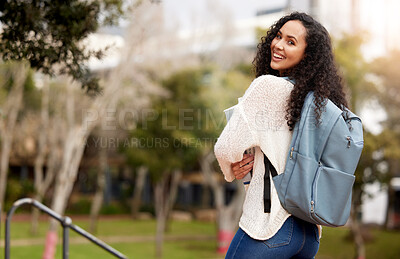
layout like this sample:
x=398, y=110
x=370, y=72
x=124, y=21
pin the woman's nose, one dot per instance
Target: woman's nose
x=279, y=45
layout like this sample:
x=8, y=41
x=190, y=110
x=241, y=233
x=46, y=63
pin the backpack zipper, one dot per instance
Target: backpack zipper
x=291, y=153
x=348, y=141
x=294, y=143
x=314, y=188
x=297, y=134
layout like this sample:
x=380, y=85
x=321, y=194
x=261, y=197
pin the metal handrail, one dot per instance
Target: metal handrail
x=66, y=222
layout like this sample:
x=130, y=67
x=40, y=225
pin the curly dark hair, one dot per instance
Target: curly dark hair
x=316, y=72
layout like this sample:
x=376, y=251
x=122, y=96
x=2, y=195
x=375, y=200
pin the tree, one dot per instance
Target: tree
x=179, y=134
x=222, y=92
x=46, y=142
x=14, y=81
x=128, y=81
x=48, y=34
x=164, y=141
x=389, y=98
x=355, y=68
x=119, y=85
x=98, y=196
x=140, y=180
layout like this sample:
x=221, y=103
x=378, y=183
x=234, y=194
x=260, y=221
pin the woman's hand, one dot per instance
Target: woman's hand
x=241, y=168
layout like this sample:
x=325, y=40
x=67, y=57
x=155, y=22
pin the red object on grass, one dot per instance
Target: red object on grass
x=224, y=240
x=50, y=246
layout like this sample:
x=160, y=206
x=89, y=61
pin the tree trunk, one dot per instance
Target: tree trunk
x=227, y=216
x=35, y=218
x=138, y=190
x=41, y=155
x=355, y=225
x=52, y=165
x=160, y=207
x=10, y=113
x=176, y=177
x=394, y=168
x=98, y=197
x=6, y=140
x=72, y=154
x=165, y=195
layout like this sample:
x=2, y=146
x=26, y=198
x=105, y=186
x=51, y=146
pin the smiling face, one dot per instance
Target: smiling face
x=288, y=46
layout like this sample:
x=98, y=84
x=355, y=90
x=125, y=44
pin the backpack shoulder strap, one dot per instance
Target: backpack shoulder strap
x=329, y=117
x=269, y=170
x=299, y=127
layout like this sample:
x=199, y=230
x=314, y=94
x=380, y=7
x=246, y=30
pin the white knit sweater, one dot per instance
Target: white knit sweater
x=258, y=120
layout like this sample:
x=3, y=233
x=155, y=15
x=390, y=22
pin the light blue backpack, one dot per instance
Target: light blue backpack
x=317, y=182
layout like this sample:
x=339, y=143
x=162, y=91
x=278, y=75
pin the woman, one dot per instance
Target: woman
x=294, y=58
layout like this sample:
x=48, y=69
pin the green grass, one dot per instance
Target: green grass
x=176, y=250
x=334, y=243
x=121, y=227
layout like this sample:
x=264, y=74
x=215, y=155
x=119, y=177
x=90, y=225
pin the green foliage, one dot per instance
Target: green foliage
x=369, y=168
x=82, y=206
x=246, y=69
x=354, y=68
x=164, y=139
x=49, y=32
x=113, y=10
x=32, y=95
x=17, y=189
x=260, y=32
x=183, y=126
x=388, y=94
x=387, y=69
x=114, y=208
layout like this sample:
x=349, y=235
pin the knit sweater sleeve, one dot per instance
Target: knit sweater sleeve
x=250, y=119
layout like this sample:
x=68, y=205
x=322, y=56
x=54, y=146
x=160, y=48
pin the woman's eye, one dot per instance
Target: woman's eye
x=278, y=36
x=291, y=42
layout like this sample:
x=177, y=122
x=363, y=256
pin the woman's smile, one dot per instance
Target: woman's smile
x=277, y=57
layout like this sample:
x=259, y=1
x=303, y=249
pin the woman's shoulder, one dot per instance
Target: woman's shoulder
x=271, y=83
x=267, y=88
x=272, y=79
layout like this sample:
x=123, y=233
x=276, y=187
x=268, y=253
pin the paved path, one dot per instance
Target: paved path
x=110, y=239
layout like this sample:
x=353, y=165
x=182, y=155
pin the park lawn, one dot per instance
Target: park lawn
x=334, y=242
x=171, y=250
x=117, y=227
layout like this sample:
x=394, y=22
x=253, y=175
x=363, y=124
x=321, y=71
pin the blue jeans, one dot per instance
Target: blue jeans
x=295, y=239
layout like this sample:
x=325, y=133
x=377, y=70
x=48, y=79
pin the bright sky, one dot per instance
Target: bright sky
x=185, y=12
x=381, y=18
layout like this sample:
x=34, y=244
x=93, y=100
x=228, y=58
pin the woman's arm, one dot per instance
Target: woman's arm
x=251, y=118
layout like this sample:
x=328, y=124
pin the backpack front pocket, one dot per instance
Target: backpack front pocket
x=332, y=196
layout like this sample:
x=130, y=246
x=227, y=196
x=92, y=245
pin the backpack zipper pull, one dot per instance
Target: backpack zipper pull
x=291, y=153
x=348, y=141
x=312, y=206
